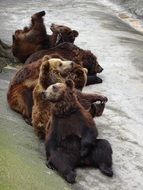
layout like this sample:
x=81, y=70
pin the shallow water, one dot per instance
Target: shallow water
x=119, y=49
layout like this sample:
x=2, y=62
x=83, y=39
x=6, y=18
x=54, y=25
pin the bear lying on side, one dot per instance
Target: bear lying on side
x=19, y=95
x=71, y=138
x=21, y=87
x=50, y=74
x=70, y=51
x=34, y=38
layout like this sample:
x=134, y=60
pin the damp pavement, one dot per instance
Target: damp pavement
x=119, y=49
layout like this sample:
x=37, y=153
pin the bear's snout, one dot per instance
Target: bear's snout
x=100, y=69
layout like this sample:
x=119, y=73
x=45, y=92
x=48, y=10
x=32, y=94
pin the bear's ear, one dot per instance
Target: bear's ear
x=75, y=33
x=45, y=58
x=69, y=83
x=45, y=66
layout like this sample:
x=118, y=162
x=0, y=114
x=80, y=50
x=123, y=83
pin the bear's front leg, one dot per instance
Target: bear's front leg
x=97, y=109
x=92, y=97
x=50, y=144
x=93, y=79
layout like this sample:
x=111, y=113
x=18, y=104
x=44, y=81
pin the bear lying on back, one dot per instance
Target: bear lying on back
x=35, y=37
x=71, y=138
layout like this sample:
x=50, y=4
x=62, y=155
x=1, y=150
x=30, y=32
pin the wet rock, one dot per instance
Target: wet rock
x=6, y=56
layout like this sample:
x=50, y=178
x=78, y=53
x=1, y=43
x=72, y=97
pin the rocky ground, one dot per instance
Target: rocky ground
x=119, y=49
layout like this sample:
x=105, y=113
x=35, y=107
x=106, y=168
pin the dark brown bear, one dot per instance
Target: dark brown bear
x=61, y=34
x=21, y=87
x=34, y=38
x=71, y=52
x=71, y=138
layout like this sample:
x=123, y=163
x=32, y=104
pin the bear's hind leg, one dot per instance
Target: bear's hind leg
x=63, y=164
x=101, y=157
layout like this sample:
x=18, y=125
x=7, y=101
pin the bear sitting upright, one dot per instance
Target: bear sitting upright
x=51, y=71
x=71, y=138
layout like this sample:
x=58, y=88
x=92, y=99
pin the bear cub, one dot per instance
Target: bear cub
x=71, y=140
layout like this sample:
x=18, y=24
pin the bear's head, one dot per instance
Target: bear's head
x=56, y=64
x=89, y=61
x=59, y=92
x=59, y=69
x=64, y=33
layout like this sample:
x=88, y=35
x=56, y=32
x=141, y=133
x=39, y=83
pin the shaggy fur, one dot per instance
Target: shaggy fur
x=41, y=110
x=20, y=90
x=71, y=137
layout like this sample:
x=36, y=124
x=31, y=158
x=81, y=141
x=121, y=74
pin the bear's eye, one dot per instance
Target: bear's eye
x=60, y=64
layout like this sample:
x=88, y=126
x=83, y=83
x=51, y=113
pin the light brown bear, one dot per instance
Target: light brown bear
x=34, y=38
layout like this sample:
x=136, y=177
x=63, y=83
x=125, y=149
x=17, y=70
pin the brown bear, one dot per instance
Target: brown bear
x=20, y=90
x=61, y=34
x=50, y=75
x=34, y=38
x=71, y=52
x=71, y=135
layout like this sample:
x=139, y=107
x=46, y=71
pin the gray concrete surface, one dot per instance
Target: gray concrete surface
x=119, y=49
x=134, y=6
